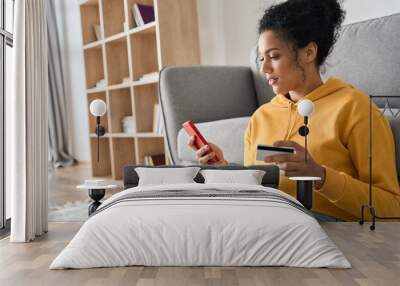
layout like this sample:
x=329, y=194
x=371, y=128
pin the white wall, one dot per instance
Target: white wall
x=236, y=25
x=227, y=30
x=211, y=32
x=360, y=10
x=240, y=23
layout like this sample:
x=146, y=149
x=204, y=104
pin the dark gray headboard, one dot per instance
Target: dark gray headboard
x=270, y=179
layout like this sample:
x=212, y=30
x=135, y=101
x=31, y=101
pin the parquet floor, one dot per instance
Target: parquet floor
x=375, y=257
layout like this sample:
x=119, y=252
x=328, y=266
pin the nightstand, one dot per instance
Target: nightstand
x=96, y=190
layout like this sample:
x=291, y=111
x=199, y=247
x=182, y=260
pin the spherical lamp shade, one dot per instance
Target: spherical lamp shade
x=305, y=107
x=98, y=107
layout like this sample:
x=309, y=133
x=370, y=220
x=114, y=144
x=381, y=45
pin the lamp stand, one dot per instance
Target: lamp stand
x=304, y=193
x=369, y=206
x=304, y=189
x=100, y=131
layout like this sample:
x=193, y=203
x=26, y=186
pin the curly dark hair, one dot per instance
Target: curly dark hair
x=300, y=22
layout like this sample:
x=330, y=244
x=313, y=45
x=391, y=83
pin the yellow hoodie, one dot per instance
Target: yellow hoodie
x=338, y=140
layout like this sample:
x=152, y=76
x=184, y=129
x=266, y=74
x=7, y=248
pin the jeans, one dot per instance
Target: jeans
x=324, y=218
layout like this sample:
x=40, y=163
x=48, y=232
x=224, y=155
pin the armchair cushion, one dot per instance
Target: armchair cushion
x=228, y=134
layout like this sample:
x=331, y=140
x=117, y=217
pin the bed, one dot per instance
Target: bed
x=201, y=224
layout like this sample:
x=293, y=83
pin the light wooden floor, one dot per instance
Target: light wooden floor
x=375, y=257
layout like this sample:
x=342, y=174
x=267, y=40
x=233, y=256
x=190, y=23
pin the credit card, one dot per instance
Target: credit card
x=268, y=150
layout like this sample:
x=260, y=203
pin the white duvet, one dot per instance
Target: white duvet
x=200, y=231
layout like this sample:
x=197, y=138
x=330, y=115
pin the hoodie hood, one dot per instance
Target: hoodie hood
x=331, y=85
x=293, y=119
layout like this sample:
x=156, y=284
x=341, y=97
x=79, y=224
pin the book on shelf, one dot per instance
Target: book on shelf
x=143, y=14
x=97, y=32
x=155, y=117
x=154, y=160
x=146, y=161
x=158, y=159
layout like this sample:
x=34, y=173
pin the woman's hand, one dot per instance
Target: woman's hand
x=202, y=156
x=293, y=165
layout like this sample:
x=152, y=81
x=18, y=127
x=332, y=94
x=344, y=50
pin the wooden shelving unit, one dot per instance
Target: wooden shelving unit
x=121, y=55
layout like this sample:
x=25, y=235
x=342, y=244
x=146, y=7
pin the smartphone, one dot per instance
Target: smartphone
x=199, y=140
x=268, y=150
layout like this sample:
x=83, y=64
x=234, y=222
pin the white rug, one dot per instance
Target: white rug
x=70, y=212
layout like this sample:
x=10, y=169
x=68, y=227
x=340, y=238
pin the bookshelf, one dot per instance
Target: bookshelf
x=122, y=62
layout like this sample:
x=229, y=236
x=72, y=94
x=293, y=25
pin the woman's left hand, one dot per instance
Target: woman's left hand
x=294, y=165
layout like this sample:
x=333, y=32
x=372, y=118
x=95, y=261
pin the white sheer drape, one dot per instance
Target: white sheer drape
x=27, y=122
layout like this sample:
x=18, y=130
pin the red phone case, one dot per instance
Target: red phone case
x=199, y=140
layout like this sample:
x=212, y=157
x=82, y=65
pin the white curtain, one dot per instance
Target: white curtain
x=27, y=122
x=59, y=131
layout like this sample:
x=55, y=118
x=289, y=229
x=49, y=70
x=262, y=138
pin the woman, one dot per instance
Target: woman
x=295, y=38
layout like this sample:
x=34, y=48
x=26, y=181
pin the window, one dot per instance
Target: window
x=6, y=44
x=9, y=19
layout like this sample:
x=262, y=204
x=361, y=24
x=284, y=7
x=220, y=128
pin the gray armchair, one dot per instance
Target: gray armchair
x=221, y=99
x=214, y=96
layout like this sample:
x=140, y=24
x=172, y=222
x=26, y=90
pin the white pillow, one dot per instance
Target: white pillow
x=248, y=177
x=164, y=176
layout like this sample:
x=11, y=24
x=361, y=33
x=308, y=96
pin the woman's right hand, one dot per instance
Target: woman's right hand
x=202, y=156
